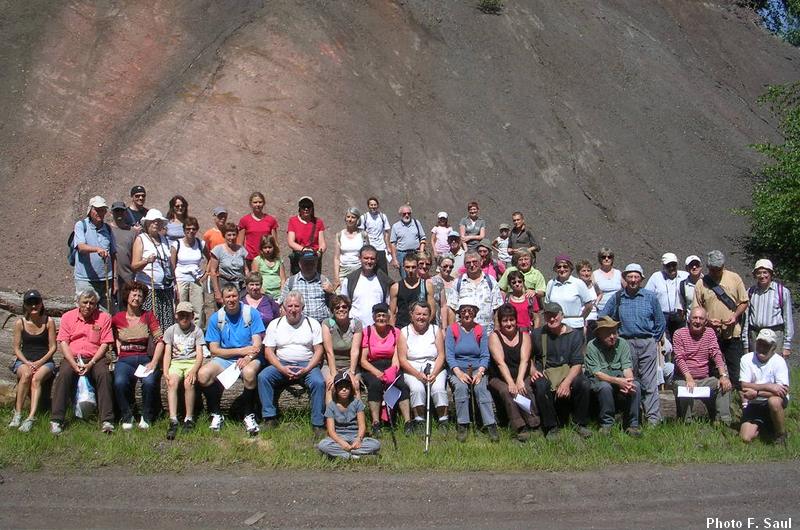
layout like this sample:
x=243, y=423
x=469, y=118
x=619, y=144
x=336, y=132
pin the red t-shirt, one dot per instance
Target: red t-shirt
x=134, y=337
x=253, y=230
x=302, y=231
x=523, y=314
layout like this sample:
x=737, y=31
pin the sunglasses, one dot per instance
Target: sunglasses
x=562, y=267
x=338, y=307
x=606, y=257
x=472, y=263
x=424, y=265
x=446, y=267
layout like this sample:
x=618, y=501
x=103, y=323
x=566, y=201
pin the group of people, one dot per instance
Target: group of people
x=466, y=311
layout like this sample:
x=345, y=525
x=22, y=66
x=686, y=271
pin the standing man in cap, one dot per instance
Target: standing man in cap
x=407, y=237
x=770, y=308
x=641, y=324
x=666, y=284
x=557, y=371
x=694, y=269
x=124, y=234
x=376, y=225
x=456, y=250
x=314, y=287
x=765, y=389
x=136, y=209
x=521, y=237
x=96, y=250
x=723, y=295
x=609, y=368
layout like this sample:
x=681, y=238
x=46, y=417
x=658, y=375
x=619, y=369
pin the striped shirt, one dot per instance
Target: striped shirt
x=765, y=311
x=693, y=355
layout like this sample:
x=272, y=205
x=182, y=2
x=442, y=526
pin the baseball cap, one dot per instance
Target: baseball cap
x=97, y=202
x=308, y=255
x=441, y=214
x=31, y=296
x=137, y=189
x=552, y=307
x=767, y=335
x=118, y=205
x=342, y=377
x=505, y=226
x=668, y=258
x=633, y=267
x=184, y=307
x=305, y=199
x=763, y=263
x=380, y=308
x=453, y=233
x=219, y=210
x=692, y=258
x=484, y=243
x=154, y=215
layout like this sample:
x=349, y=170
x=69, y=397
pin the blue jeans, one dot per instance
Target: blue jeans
x=125, y=384
x=608, y=396
x=270, y=377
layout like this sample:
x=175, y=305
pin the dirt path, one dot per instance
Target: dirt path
x=634, y=497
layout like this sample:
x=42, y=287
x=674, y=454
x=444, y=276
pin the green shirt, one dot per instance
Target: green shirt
x=599, y=358
x=534, y=279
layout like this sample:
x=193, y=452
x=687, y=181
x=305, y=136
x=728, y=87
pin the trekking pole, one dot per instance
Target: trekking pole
x=153, y=287
x=472, y=399
x=389, y=411
x=106, y=261
x=428, y=411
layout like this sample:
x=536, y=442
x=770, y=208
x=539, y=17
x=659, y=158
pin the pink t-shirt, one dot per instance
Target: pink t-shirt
x=441, y=239
x=302, y=231
x=253, y=230
x=523, y=314
x=379, y=347
x=84, y=337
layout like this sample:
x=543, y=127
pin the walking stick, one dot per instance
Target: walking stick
x=108, y=291
x=472, y=399
x=428, y=411
x=153, y=287
x=389, y=411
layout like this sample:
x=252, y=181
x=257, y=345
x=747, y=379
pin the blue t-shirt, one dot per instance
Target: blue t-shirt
x=234, y=333
x=91, y=267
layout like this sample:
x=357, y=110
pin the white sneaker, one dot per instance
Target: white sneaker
x=55, y=428
x=16, y=419
x=27, y=425
x=127, y=425
x=216, y=422
x=107, y=427
x=251, y=425
x=143, y=424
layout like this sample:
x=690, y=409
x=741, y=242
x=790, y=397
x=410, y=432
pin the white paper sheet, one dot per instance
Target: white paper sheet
x=698, y=392
x=142, y=371
x=229, y=376
x=523, y=402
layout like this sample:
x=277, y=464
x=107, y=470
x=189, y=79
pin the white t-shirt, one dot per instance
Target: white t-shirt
x=293, y=344
x=667, y=290
x=421, y=347
x=375, y=226
x=188, y=268
x=368, y=293
x=572, y=295
x=607, y=286
x=775, y=370
x=349, y=247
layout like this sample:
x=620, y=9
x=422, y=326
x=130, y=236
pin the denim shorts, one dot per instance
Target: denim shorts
x=49, y=364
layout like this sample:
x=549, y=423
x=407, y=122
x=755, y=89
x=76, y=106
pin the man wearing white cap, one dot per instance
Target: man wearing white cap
x=694, y=269
x=764, y=377
x=95, y=251
x=666, y=284
x=770, y=308
x=642, y=324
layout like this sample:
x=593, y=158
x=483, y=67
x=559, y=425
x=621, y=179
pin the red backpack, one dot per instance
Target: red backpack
x=477, y=331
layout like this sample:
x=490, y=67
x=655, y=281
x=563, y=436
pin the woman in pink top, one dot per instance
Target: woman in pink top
x=254, y=225
x=378, y=354
x=305, y=230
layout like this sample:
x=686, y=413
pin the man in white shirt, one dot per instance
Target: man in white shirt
x=376, y=225
x=764, y=377
x=666, y=284
x=293, y=348
x=366, y=286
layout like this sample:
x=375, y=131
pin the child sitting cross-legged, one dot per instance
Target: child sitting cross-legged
x=346, y=423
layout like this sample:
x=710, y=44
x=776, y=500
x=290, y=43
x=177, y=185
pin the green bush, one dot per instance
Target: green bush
x=775, y=214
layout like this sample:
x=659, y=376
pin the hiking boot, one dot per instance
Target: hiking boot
x=269, y=423
x=16, y=420
x=376, y=430
x=144, y=424
x=492, y=431
x=523, y=434
x=462, y=432
x=319, y=432
x=781, y=439
x=26, y=425
x=553, y=434
x=172, y=430
x=408, y=430
x=56, y=428
x=217, y=420
x=584, y=432
x=634, y=432
x=188, y=425
x=251, y=425
x=605, y=430
x=107, y=427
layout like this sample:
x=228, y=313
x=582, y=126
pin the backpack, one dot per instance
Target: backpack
x=461, y=278
x=478, y=332
x=247, y=317
x=72, y=251
x=362, y=223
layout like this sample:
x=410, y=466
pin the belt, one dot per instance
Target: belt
x=776, y=327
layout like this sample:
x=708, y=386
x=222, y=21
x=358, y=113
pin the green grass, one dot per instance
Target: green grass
x=290, y=446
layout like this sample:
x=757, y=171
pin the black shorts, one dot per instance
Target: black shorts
x=757, y=413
